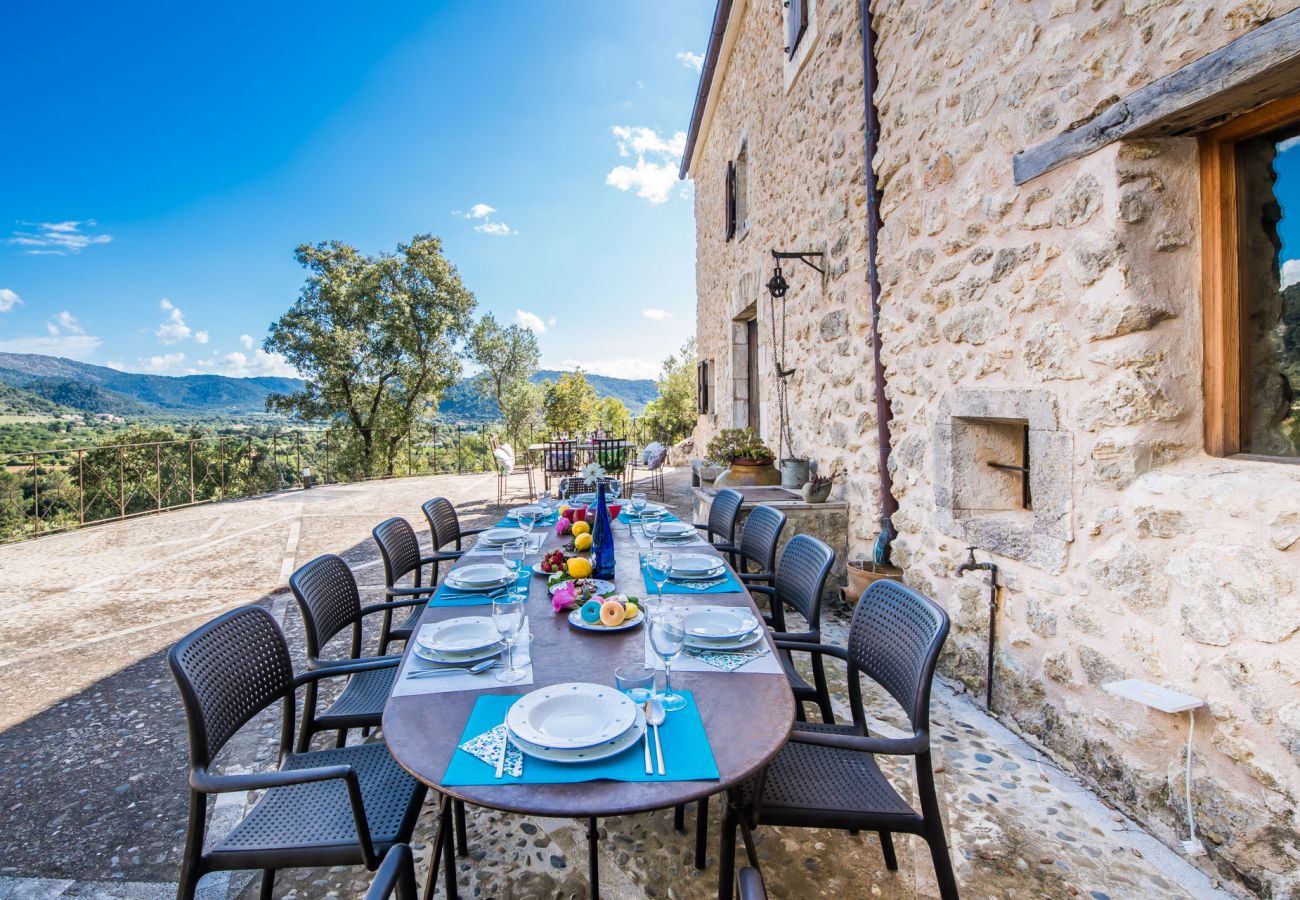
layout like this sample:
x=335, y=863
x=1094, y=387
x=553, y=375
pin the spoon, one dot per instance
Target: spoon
x=656, y=718
x=467, y=670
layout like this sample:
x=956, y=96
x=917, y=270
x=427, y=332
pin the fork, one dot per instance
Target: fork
x=464, y=670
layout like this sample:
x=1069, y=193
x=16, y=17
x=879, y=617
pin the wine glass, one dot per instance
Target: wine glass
x=668, y=637
x=513, y=554
x=615, y=488
x=651, y=522
x=528, y=519
x=638, y=503
x=658, y=565
x=508, y=617
x=546, y=502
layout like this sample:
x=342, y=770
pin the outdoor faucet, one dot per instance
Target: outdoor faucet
x=970, y=565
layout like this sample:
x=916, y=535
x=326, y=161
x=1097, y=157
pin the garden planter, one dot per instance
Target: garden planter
x=818, y=493
x=794, y=472
x=749, y=473
x=863, y=574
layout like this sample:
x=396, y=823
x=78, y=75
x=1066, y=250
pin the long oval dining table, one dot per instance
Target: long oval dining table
x=747, y=716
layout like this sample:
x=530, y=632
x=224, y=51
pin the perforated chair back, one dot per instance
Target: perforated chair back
x=758, y=539
x=801, y=576
x=578, y=485
x=444, y=524
x=559, y=457
x=328, y=598
x=895, y=639
x=723, y=514
x=611, y=453
x=399, y=548
x=228, y=671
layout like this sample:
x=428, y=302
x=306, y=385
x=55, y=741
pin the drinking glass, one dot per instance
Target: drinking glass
x=615, y=488
x=668, y=637
x=638, y=503
x=508, y=617
x=513, y=554
x=650, y=524
x=546, y=502
x=637, y=680
x=528, y=519
x=658, y=564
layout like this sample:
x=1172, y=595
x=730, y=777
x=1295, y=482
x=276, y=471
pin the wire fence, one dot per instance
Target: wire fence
x=48, y=491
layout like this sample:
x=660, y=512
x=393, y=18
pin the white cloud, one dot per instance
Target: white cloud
x=1290, y=272
x=56, y=238
x=64, y=337
x=691, y=60
x=238, y=364
x=173, y=329
x=499, y=229
x=480, y=211
x=9, y=299
x=651, y=179
x=626, y=367
x=165, y=364
x=657, y=315
x=1289, y=144
x=531, y=321
x=246, y=341
x=200, y=337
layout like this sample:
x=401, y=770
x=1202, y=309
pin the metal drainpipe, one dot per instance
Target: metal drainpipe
x=888, y=505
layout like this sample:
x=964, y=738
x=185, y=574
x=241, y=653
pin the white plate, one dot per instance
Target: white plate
x=651, y=509
x=520, y=510
x=609, y=748
x=459, y=659
x=570, y=716
x=538, y=570
x=695, y=565
x=576, y=620
x=714, y=624
x=602, y=586
x=724, y=644
x=479, y=577
x=495, y=537
x=676, y=530
x=460, y=635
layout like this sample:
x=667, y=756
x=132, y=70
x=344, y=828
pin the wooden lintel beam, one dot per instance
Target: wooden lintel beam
x=1257, y=67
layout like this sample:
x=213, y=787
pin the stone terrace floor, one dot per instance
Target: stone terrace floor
x=93, y=745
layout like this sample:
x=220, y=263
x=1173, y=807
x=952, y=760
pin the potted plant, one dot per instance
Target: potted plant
x=748, y=459
x=818, y=488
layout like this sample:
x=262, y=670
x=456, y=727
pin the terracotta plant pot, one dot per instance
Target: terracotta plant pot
x=862, y=575
x=749, y=473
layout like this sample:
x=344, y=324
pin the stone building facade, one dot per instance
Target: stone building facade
x=1061, y=317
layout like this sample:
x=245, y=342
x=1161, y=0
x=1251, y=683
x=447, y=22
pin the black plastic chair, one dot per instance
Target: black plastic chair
x=340, y=807
x=758, y=539
x=721, y=527
x=827, y=775
x=329, y=601
x=400, y=550
x=444, y=529
x=577, y=485
x=396, y=876
x=559, y=457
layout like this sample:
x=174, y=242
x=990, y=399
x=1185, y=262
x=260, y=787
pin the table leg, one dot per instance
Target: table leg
x=448, y=852
x=701, y=832
x=593, y=864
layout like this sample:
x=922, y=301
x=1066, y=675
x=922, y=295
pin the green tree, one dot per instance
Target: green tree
x=521, y=410
x=671, y=416
x=570, y=403
x=613, y=416
x=506, y=355
x=374, y=337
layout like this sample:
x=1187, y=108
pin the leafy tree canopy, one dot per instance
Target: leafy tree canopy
x=506, y=355
x=375, y=339
x=672, y=415
x=571, y=403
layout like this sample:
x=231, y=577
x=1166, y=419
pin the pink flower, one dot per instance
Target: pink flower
x=562, y=526
x=564, y=597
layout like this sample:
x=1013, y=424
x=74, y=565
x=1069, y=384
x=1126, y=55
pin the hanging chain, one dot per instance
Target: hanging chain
x=784, y=435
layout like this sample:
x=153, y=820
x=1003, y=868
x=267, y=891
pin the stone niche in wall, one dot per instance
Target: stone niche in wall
x=978, y=436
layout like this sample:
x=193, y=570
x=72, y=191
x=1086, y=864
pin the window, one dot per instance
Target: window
x=796, y=23
x=731, y=199
x=702, y=386
x=1250, y=207
x=737, y=192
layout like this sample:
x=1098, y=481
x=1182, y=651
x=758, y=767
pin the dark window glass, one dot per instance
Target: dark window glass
x=796, y=23
x=1268, y=186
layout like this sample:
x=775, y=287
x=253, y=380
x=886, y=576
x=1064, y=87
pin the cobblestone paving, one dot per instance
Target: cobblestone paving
x=93, y=746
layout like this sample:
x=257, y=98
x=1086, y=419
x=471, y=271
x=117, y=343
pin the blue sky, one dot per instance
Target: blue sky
x=161, y=163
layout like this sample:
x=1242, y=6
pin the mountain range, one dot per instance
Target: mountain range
x=31, y=383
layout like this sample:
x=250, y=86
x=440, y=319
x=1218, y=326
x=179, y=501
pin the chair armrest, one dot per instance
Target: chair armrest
x=765, y=589
x=472, y=531
x=409, y=591
x=808, y=647
x=700, y=525
x=442, y=556
x=334, y=668
x=390, y=604
x=908, y=746
x=750, y=577
x=803, y=638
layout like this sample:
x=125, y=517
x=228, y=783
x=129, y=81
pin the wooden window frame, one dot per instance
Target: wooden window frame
x=730, y=178
x=796, y=25
x=1221, y=298
x=702, y=398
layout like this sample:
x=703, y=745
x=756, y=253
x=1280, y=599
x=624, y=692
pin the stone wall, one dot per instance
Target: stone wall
x=805, y=155
x=1080, y=288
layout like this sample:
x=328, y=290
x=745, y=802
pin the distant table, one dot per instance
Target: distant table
x=748, y=716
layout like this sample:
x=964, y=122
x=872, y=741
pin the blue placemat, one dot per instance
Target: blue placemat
x=725, y=583
x=447, y=596
x=687, y=754
x=508, y=522
x=627, y=519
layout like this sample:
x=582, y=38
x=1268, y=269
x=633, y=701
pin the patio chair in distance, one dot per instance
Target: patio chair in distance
x=656, y=455
x=444, y=529
x=559, y=458
x=827, y=776
x=506, y=465
x=758, y=539
x=340, y=807
x=721, y=527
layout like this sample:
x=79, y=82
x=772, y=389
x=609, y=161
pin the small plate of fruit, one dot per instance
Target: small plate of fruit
x=552, y=563
x=607, y=612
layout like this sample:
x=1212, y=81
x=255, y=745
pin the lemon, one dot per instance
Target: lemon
x=582, y=542
x=581, y=528
x=579, y=568
x=632, y=610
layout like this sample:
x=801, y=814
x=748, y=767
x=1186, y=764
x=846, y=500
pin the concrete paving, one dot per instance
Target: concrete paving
x=93, y=746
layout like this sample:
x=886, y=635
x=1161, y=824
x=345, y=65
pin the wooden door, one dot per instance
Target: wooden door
x=751, y=341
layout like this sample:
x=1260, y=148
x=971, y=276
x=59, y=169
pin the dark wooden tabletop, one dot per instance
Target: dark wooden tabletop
x=747, y=716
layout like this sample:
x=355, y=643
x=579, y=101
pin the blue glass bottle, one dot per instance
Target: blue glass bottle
x=602, y=537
